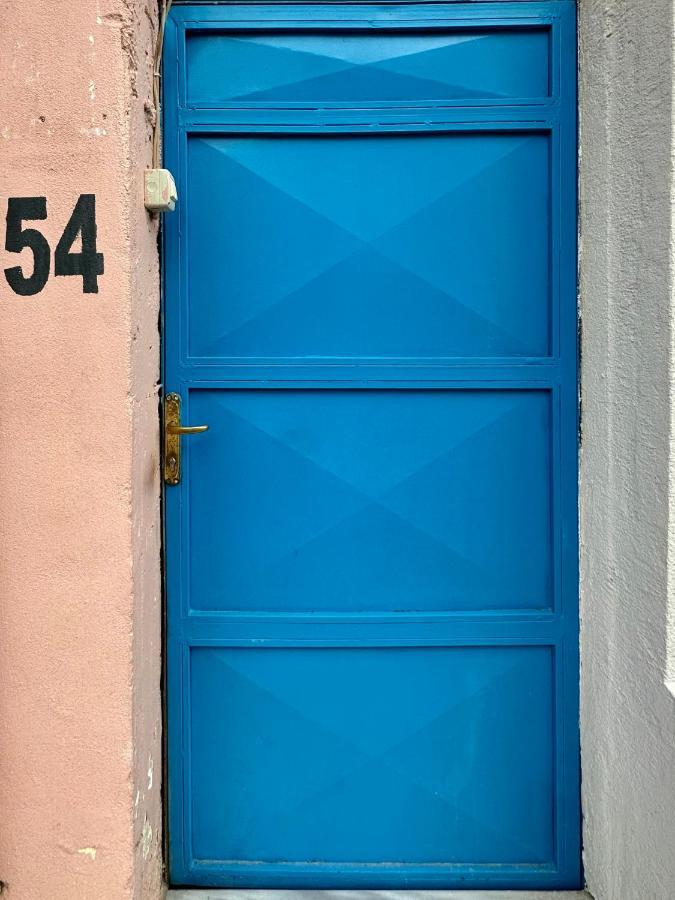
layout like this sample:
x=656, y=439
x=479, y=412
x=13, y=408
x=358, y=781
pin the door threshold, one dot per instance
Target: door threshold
x=238, y=894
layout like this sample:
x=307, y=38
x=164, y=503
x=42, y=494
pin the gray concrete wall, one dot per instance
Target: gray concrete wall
x=628, y=711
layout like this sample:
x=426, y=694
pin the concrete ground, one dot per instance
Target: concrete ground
x=375, y=895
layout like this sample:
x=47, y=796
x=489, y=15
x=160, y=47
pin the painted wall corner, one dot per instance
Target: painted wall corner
x=79, y=537
x=627, y=722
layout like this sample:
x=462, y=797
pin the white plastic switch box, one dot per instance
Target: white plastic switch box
x=160, y=190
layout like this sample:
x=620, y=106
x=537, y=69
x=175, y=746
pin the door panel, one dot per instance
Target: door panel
x=476, y=64
x=370, y=298
x=429, y=245
x=371, y=500
x=297, y=740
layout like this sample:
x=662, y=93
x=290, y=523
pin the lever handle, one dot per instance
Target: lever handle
x=186, y=429
x=172, y=435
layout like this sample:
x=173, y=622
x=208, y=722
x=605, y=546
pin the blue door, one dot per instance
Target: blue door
x=372, y=552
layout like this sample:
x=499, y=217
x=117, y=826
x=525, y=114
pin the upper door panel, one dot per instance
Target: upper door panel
x=359, y=66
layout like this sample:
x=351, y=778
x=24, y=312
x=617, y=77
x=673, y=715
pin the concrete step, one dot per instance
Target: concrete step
x=209, y=894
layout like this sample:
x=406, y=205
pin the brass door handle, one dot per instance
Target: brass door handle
x=172, y=435
x=186, y=429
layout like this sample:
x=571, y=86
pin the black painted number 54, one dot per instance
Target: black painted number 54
x=87, y=262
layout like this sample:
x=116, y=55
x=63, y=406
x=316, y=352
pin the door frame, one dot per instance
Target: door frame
x=170, y=263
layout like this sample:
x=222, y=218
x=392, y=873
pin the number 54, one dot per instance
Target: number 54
x=88, y=262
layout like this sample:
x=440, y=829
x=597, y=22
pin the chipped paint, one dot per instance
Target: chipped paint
x=95, y=131
x=146, y=840
x=88, y=851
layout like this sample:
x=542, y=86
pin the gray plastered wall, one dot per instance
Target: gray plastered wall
x=626, y=300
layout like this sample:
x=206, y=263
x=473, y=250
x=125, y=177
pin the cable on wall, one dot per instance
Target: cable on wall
x=156, y=81
x=160, y=193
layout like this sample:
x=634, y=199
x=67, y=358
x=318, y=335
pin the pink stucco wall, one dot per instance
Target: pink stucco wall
x=80, y=723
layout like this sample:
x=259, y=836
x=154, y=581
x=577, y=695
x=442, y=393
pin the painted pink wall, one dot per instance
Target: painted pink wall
x=80, y=754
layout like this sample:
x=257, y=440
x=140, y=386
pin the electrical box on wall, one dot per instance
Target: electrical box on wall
x=160, y=190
